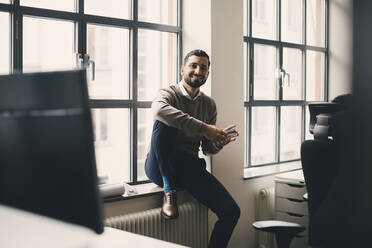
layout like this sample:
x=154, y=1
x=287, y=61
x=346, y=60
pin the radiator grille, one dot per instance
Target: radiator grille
x=189, y=229
x=265, y=210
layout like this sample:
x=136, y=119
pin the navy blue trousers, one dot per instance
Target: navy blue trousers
x=189, y=173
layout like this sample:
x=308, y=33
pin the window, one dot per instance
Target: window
x=134, y=47
x=286, y=63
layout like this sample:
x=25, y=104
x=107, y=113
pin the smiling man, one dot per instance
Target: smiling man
x=185, y=119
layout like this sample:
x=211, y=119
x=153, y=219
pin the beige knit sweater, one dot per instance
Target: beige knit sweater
x=176, y=110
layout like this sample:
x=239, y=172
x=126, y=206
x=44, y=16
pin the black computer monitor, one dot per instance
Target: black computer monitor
x=47, y=160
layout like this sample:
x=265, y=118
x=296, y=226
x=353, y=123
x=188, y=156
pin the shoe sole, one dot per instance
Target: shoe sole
x=169, y=217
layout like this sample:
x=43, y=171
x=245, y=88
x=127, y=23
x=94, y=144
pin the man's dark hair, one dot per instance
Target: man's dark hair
x=196, y=52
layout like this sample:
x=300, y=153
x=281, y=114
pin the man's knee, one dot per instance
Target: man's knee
x=235, y=213
x=163, y=135
x=158, y=125
x=230, y=213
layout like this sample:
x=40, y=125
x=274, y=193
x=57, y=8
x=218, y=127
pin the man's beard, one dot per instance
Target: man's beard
x=195, y=84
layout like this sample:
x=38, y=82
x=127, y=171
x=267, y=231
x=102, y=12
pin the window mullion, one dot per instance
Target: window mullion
x=250, y=19
x=17, y=37
x=135, y=10
x=134, y=96
x=250, y=88
x=251, y=72
x=179, y=40
x=133, y=146
x=82, y=29
x=249, y=138
x=279, y=20
x=303, y=123
x=305, y=23
x=277, y=140
x=326, y=77
x=281, y=82
x=281, y=78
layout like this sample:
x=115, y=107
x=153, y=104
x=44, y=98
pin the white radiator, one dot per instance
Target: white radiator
x=190, y=229
x=265, y=210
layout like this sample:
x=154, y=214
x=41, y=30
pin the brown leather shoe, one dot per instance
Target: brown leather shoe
x=169, y=209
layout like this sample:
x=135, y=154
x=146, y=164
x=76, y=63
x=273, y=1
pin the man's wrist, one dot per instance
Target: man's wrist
x=204, y=128
x=218, y=147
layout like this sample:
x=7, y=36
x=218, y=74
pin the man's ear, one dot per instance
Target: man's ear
x=181, y=69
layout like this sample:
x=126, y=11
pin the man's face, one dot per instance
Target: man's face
x=195, y=72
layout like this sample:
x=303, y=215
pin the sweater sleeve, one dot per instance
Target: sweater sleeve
x=163, y=110
x=209, y=147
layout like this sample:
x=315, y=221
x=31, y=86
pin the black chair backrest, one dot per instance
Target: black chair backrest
x=322, y=108
x=47, y=160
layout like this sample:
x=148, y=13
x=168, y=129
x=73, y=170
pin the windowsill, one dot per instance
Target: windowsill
x=149, y=189
x=140, y=190
x=255, y=172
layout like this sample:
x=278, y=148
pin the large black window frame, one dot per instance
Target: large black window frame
x=81, y=20
x=250, y=102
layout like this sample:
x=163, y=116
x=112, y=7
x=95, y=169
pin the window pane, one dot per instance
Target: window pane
x=264, y=19
x=263, y=135
x=4, y=1
x=290, y=133
x=315, y=76
x=292, y=63
x=158, y=11
x=292, y=21
x=111, y=135
x=315, y=23
x=109, y=48
x=157, y=56
x=65, y=5
x=265, y=81
x=145, y=122
x=5, y=43
x=112, y=8
x=48, y=44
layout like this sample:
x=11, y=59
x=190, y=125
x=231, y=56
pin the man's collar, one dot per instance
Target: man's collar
x=184, y=92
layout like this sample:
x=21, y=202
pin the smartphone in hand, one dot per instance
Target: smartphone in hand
x=231, y=132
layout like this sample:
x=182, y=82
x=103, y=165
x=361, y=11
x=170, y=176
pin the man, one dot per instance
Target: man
x=185, y=118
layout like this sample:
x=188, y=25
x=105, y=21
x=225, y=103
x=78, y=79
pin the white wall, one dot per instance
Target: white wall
x=227, y=89
x=340, y=47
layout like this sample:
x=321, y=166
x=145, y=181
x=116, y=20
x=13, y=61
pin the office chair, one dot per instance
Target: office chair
x=323, y=157
x=284, y=231
x=316, y=155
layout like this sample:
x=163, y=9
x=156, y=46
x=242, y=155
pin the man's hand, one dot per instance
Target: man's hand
x=230, y=138
x=214, y=134
x=219, y=136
